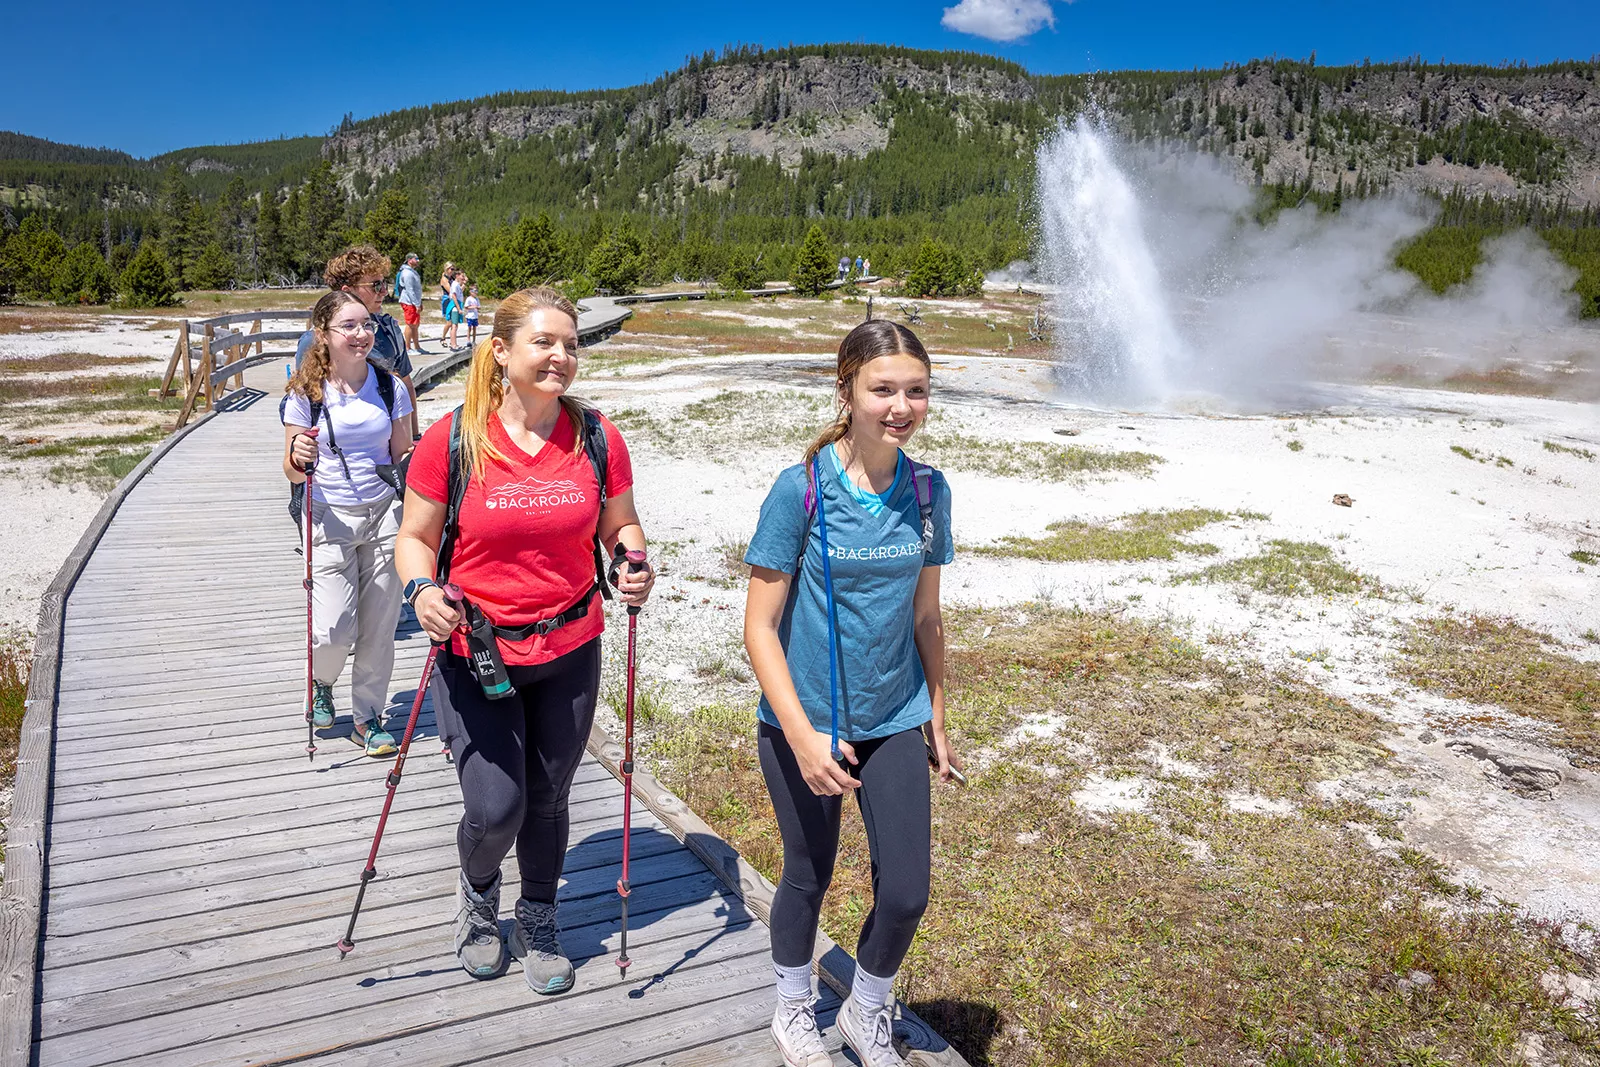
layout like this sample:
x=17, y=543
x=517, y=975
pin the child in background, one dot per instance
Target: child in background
x=472, y=316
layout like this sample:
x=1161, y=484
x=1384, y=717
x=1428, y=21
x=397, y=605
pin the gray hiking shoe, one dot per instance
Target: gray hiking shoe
x=479, y=949
x=533, y=941
x=322, y=712
x=871, y=1037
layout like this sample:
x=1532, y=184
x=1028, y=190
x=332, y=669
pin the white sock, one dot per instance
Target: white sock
x=871, y=992
x=794, y=983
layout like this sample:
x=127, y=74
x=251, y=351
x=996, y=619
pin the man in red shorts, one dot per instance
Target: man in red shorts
x=411, y=304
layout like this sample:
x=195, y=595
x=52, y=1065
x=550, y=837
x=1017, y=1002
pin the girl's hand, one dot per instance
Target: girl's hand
x=304, y=450
x=949, y=762
x=634, y=586
x=437, y=616
x=817, y=766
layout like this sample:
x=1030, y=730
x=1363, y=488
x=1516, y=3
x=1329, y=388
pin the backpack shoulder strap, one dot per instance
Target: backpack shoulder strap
x=455, y=490
x=922, y=482
x=385, y=387
x=598, y=449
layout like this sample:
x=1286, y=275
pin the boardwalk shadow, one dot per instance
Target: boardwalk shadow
x=656, y=907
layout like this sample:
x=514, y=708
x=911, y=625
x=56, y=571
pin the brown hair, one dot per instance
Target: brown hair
x=486, y=387
x=307, y=381
x=353, y=264
x=861, y=346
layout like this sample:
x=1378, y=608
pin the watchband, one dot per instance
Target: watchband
x=417, y=585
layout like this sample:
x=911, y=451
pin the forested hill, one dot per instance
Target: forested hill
x=729, y=160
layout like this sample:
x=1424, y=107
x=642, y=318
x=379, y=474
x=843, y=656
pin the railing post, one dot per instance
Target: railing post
x=206, y=364
x=179, y=351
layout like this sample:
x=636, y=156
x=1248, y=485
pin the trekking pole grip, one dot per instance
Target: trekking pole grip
x=311, y=432
x=636, y=560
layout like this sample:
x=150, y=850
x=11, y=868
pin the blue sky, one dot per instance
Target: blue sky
x=99, y=73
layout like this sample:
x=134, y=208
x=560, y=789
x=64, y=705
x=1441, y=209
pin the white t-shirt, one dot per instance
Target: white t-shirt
x=361, y=425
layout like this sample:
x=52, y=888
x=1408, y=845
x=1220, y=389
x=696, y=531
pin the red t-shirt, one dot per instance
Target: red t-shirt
x=525, y=550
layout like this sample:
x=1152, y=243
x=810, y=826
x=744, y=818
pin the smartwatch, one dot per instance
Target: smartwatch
x=417, y=585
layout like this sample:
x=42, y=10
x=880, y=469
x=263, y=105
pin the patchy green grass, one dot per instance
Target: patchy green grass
x=1483, y=457
x=1141, y=536
x=1193, y=932
x=1581, y=556
x=1502, y=662
x=1291, y=568
x=37, y=448
x=1296, y=446
x=1031, y=460
x=101, y=471
x=1581, y=453
x=730, y=553
x=62, y=362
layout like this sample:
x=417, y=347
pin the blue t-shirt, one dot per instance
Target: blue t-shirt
x=876, y=562
x=873, y=502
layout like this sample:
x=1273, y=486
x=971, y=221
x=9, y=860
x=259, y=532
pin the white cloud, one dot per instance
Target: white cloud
x=999, y=20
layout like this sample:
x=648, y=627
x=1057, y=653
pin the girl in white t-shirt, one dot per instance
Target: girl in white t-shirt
x=355, y=510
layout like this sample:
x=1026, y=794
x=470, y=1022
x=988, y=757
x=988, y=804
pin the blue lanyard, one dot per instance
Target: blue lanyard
x=833, y=614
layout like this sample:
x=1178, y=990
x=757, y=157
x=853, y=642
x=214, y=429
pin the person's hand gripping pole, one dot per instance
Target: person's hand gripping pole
x=635, y=560
x=345, y=944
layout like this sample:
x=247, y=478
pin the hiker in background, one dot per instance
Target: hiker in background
x=458, y=303
x=844, y=267
x=858, y=266
x=870, y=530
x=409, y=284
x=472, y=315
x=447, y=276
x=866, y=268
x=364, y=431
x=526, y=550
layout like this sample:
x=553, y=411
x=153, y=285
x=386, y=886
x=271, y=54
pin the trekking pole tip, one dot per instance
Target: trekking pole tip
x=622, y=967
x=345, y=947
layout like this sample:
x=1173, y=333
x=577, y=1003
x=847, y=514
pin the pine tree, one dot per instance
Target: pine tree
x=615, y=263
x=269, y=250
x=815, y=266
x=82, y=277
x=391, y=226
x=527, y=255
x=211, y=269
x=32, y=256
x=322, y=231
x=147, y=282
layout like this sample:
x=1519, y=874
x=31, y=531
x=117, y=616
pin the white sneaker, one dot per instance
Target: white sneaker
x=794, y=1028
x=872, y=1037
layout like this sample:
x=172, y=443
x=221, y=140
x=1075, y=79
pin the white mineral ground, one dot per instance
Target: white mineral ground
x=1456, y=534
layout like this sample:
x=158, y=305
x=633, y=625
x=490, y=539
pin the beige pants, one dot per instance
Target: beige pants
x=355, y=599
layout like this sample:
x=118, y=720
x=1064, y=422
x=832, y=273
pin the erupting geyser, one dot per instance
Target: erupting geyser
x=1113, y=318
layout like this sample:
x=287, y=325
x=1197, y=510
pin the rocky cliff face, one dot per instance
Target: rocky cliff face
x=1388, y=128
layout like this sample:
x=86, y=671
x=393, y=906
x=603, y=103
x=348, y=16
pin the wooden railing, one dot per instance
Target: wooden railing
x=208, y=352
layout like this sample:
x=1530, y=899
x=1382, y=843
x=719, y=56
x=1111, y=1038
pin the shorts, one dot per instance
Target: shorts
x=412, y=313
x=472, y=320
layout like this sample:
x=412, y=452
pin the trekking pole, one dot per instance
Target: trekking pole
x=833, y=616
x=305, y=520
x=347, y=943
x=635, y=559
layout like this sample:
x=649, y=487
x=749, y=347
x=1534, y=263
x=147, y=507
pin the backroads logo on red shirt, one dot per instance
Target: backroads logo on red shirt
x=532, y=493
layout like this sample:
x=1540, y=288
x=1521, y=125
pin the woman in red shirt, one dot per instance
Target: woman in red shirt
x=524, y=556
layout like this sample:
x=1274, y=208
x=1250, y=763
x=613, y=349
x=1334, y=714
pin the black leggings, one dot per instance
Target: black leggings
x=515, y=759
x=895, y=808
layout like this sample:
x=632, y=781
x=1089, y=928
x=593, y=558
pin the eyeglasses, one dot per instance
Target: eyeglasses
x=353, y=329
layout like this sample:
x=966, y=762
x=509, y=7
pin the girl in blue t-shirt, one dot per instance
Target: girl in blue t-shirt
x=885, y=522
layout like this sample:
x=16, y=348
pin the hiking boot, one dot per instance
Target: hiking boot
x=870, y=1036
x=479, y=949
x=374, y=738
x=321, y=705
x=794, y=1028
x=533, y=941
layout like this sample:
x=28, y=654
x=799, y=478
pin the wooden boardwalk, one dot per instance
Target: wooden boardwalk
x=191, y=870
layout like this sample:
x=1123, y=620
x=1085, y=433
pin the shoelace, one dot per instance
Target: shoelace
x=881, y=1044
x=539, y=930
x=485, y=923
x=803, y=1012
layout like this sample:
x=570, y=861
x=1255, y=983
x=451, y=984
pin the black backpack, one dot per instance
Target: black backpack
x=395, y=475
x=594, y=446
